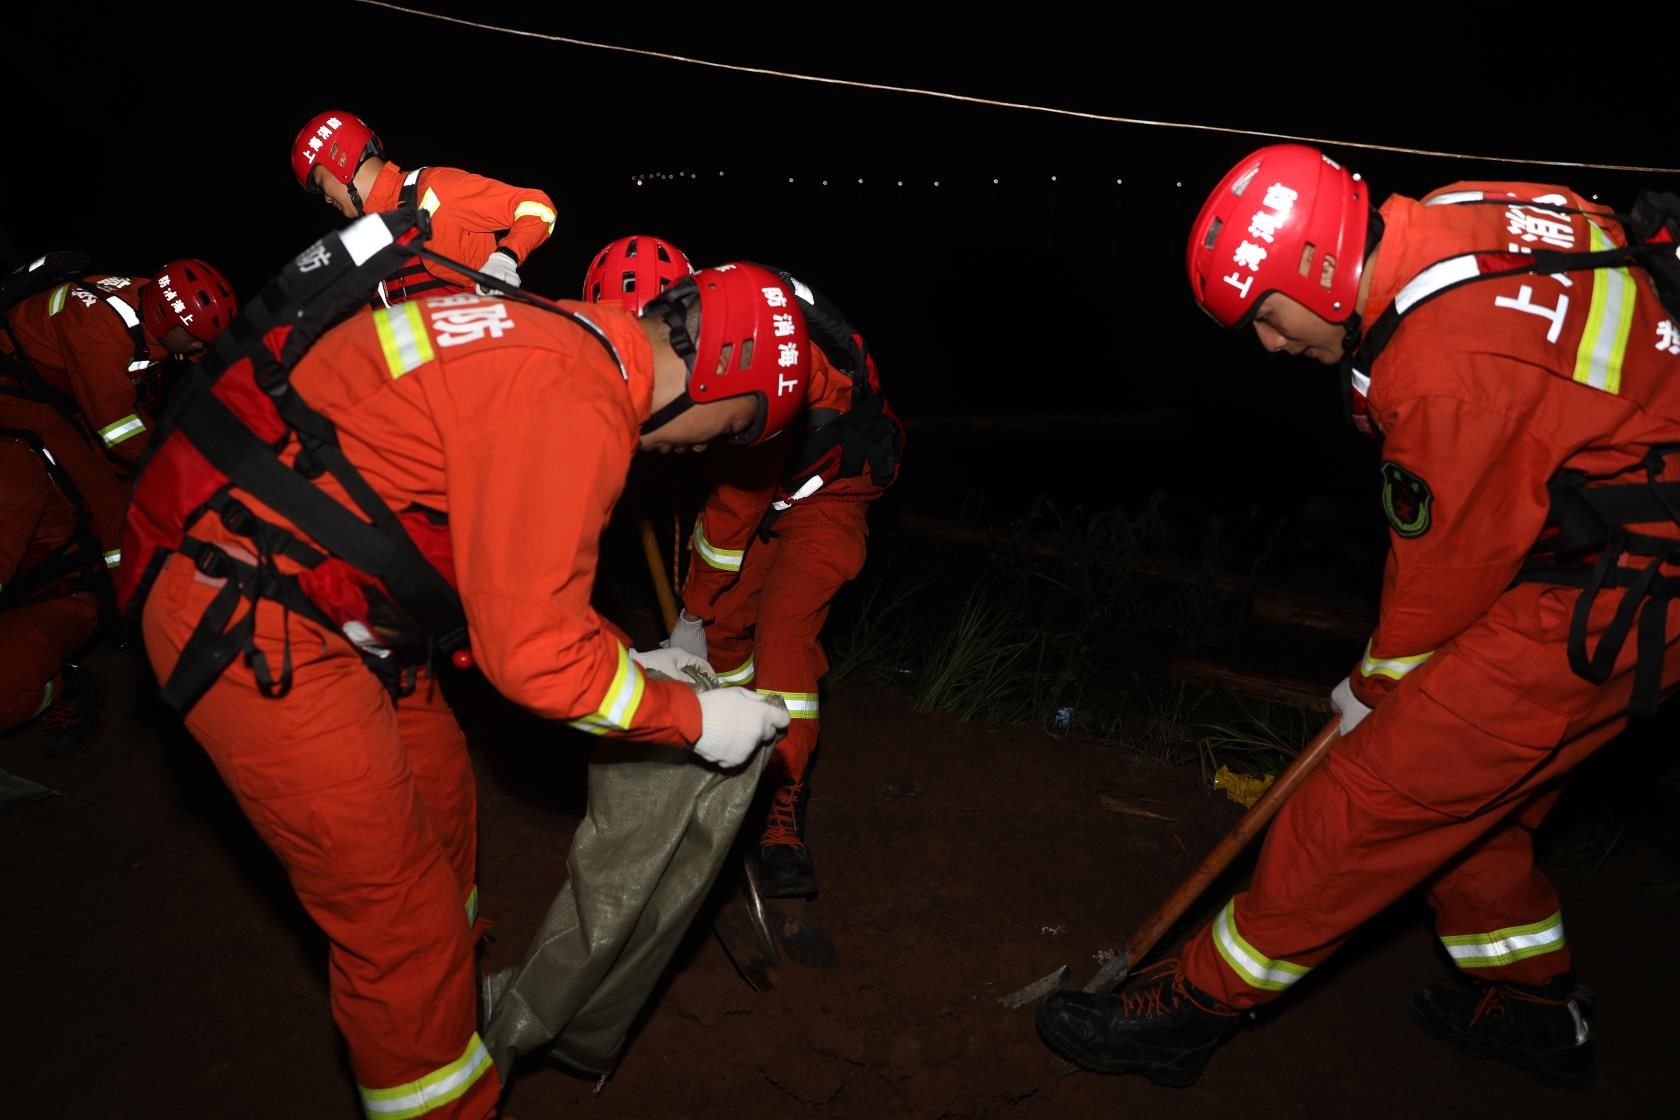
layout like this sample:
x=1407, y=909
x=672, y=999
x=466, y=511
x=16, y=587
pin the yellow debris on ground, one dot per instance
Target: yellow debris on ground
x=1241, y=788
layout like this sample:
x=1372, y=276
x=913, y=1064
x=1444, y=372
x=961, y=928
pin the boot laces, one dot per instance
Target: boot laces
x=781, y=826
x=1160, y=992
x=1495, y=996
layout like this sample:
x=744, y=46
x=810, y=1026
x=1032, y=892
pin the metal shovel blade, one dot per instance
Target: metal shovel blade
x=743, y=924
x=1037, y=990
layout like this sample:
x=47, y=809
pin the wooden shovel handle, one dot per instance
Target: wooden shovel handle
x=1227, y=849
x=661, y=580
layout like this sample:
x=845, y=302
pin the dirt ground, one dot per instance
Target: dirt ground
x=156, y=964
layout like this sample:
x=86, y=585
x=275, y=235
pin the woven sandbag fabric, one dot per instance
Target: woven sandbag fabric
x=659, y=825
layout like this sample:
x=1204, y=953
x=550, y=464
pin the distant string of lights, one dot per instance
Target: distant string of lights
x=1051, y=110
x=643, y=178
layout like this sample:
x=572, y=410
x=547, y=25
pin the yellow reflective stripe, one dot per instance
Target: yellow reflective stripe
x=1391, y=667
x=535, y=209
x=1506, y=946
x=113, y=558
x=56, y=303
x=429, y=202
x=472, y=906
x=800, y=705
x=431, y=1092
x=403, y=337
x=118, y=430
x=737, y=676
x=723, y=559
x=1253, y=967
x=618, y=706
x=1598, y=360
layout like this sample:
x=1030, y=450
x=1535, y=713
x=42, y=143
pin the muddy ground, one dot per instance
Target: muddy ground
x=156, y=964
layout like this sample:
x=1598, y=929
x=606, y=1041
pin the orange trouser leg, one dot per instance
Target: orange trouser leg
x=766, y=632
x=442, y=770
x=1496, y=914
x=820, y=548
x=35, y=640
x=1466, y=750
x=329, y=775
x=102, y=487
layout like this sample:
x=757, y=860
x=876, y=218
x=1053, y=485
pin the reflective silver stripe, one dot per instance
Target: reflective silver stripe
x=724, y=559
x=412, y=177
x=1391, y=667
x=113, y=558
x=622, y=699
x=119, y=430
x=535, y=210
x=1437, y=276
x=1452, y=197
x=1254, y=968
x=737, y=676
x=124, y=312
x=56, y=303
x=431, y=1092
x=364, y=237
x=1506, y=946
x=1603, y=347
x=800, y=705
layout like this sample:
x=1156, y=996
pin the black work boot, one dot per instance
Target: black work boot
x=1541, y=1030
x=785, y=869
x=1160, y=1026
x=73, y=717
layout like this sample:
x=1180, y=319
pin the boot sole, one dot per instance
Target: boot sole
x=1551, y=1075
x=805, y=887
x=1161, y=1073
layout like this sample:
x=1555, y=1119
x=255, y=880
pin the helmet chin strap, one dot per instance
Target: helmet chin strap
x=1351, y=328
x=355, y=198
x=675, y=408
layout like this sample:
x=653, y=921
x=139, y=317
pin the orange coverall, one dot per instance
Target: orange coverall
x=1482, y=395
x=36, y=636
x=81, y=348
x=469, y=216
x=765, y=602
x=518, y=427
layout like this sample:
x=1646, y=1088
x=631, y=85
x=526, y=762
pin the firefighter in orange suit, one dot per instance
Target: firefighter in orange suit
x=1518, y=362
x=44, y=618
x=783, y=529
x=498, y=435
x=481, y=222
x=76, y=357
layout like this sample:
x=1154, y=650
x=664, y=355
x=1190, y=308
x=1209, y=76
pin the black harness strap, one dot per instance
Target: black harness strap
x=1586, y=526
x=81, y=555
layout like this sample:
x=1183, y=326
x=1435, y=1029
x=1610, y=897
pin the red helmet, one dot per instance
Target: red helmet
x=1287, y=219
x=753, y=339
x=188, y=293
x=633, y=270
x=338, y=141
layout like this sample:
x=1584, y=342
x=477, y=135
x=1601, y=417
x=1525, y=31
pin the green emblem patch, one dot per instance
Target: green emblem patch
x=1406, y=501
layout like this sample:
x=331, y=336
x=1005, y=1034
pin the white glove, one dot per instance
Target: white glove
x=501, y=266
x=1347, y=705
x=734, y=722
x=671, y=663
x=688, y=634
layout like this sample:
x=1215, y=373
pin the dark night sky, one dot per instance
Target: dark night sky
x=163, y=132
